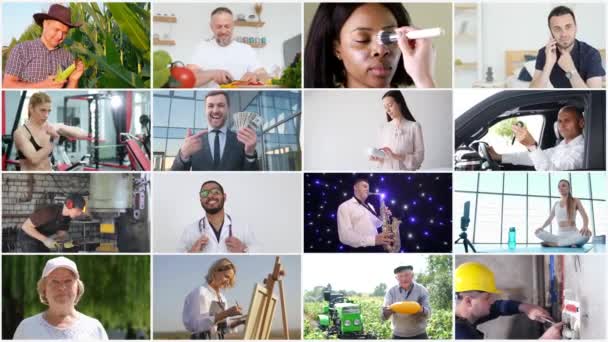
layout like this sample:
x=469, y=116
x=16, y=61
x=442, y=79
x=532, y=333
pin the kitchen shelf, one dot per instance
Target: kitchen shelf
x=164, y=19
x=242, y=23
x=163, y=41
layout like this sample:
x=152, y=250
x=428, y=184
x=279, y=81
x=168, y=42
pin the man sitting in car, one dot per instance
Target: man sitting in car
x=567, y=155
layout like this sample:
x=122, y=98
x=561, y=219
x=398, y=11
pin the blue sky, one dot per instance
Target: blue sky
x=176, y=275
x=16, y=17
x=356, y=272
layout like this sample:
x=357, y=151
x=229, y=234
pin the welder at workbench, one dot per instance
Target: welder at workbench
x=41, y=230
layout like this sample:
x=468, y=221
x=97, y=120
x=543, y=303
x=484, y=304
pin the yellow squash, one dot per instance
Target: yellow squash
x=407, y=307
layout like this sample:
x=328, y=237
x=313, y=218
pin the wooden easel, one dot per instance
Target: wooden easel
x=277, y=276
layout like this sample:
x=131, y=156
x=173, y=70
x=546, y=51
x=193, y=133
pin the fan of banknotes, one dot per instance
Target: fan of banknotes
x=246, y=119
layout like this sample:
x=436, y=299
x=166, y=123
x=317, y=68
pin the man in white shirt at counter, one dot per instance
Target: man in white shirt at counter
x=215, y=232
x=567, y=155
x=358, y=223
x=220, y=59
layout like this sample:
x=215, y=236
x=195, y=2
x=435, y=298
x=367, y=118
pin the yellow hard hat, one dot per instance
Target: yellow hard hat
x=473, y=276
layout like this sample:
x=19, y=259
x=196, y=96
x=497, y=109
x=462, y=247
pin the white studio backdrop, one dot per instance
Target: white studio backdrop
x=270, y=203
x=340, y=126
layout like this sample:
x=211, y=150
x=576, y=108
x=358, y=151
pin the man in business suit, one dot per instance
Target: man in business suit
x=217, y=148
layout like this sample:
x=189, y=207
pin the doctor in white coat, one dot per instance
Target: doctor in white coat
x=216, y=232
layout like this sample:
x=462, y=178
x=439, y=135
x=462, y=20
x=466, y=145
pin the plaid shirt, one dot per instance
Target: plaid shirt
x=31, y=61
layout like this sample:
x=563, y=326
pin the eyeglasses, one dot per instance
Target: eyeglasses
x=214, y=191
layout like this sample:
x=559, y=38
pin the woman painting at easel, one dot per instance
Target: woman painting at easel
x=204, y=313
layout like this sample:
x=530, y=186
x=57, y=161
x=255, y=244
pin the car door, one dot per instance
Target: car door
x=475, y=123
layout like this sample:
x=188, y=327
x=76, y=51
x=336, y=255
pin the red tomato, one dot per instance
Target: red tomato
x=185, y=77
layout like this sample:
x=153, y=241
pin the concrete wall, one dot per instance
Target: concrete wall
x=587, y=283
x=514, y=275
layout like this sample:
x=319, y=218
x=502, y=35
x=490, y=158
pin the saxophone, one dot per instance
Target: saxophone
x=390, y=224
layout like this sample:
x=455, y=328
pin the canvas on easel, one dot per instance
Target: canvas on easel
x=256, y=327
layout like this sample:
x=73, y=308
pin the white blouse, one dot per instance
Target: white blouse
x=405, y=139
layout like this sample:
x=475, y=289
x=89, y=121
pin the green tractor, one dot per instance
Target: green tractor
x=341, y=317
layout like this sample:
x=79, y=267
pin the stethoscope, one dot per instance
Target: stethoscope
x=202, y=225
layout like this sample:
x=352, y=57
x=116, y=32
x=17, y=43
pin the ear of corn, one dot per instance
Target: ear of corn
x=63, y=75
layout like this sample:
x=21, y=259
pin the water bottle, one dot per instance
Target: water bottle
x=512, y=242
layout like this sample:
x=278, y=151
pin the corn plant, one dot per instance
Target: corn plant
x=114, y=43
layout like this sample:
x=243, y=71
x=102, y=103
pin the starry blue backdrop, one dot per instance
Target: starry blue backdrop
x=423, y=202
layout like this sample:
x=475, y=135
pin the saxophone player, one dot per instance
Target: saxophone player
x=358, y=222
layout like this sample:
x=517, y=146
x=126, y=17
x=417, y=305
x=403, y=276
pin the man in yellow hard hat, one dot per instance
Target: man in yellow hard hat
x=407, y=326
x=475, y=289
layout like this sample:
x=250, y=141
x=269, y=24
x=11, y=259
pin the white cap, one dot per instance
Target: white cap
x=59, y=262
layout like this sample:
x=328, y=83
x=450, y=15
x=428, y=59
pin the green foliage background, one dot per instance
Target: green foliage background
x=117, y=290
x=438, y=281
x=114, y=43
x=503, y=128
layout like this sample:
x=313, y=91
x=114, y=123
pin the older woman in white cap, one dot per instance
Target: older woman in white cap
x=60, y=288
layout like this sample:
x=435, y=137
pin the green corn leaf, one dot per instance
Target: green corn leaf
x=131, y=25
x=129, y=78
x=112, y=55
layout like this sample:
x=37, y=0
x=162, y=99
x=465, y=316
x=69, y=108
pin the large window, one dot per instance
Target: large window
x=500, y=135
x=500, y=200
x=278, y=146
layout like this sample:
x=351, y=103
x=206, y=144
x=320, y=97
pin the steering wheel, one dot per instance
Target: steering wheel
x=483, y=151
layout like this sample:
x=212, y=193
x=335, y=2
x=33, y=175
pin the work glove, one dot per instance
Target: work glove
x=50, y=243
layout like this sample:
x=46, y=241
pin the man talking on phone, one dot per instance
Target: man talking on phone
x=566, y=62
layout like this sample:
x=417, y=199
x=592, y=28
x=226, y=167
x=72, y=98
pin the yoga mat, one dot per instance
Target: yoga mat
x=531, y=249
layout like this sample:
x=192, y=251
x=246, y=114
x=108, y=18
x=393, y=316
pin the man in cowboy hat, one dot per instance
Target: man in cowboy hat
x=33, y=64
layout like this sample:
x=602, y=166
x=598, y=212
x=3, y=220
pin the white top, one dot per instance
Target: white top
x=356, y=225
x=236, y=58
x=561, y=213
x=194, y=231
x=403, y=138
x=85, y=328
x=197, y=316
x=565, y=156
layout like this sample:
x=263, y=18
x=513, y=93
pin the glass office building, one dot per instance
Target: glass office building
x=524, y=200
x=278, y=144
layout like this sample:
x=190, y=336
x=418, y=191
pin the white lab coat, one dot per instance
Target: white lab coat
x=193, y=232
